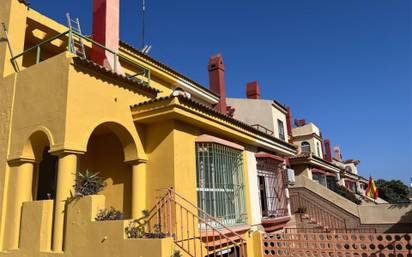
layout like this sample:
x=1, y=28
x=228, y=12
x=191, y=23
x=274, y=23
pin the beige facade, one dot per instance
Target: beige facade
x=265, y=113
x=308, y=133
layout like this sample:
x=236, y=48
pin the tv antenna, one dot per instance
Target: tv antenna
x=144, y=48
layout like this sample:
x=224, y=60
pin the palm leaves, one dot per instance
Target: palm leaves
x=88, y=183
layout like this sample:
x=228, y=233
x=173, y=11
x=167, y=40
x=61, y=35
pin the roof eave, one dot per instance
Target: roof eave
x=102, y=70
x=259, y=138
x=184, y=81
x=314, y=160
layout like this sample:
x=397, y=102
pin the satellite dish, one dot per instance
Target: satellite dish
x=180, y=92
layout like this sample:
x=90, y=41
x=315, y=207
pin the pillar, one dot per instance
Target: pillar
x=66, y=177
x=20, y=190
x=138, y=188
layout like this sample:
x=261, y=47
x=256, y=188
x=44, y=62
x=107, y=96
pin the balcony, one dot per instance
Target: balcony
x=74, y=43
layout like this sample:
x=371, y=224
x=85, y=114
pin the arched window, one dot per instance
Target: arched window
x=46, y=176
x=305, y=147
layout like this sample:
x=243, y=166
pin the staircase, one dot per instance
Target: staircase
x=326, y=210
x=314, y=214
x=195, y=232
x=320, y=208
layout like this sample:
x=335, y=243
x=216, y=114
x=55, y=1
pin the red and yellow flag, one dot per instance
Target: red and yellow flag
x=372, y=190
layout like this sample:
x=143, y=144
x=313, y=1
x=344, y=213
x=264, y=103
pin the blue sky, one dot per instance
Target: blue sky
x=344, y=65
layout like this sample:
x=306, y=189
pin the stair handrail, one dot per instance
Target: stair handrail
x=318, y=208
x=308, y=184
x=205, y=213
x=171, y=196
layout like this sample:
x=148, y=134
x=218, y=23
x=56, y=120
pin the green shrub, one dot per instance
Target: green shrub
x=343, y=191
x=176, y=253
x=136, y=228
x=109, y=214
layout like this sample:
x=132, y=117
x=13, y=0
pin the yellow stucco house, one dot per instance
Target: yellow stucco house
x=161, y=142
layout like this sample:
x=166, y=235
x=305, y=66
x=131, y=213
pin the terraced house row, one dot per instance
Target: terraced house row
x=187, y=170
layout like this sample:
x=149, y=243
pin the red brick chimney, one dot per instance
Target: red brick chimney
x=217, y=80
x=289, y=124
x=300, y=123
x=253, y=90
x=328, y=153
x=338, y=155
x=106, y=32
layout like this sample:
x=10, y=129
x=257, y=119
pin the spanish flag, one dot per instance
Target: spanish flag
x=372, y=190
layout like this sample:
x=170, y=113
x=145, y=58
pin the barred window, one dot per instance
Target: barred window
x=272, y=184
x=305, y=147
x=220, y=183
x=281, y=129
x=319, y=177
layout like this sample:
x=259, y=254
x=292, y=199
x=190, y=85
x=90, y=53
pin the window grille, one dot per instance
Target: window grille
x=272, y=184
x=305, y=147
x=220, y=183
x=319, y=177
x=331, y=182
x=281, y=130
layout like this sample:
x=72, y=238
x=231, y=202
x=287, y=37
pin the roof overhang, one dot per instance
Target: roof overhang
x=163, y=70
x=196, y=114
x=134, y=84
x=315, y=161
x=346, y=174
x=307, y=136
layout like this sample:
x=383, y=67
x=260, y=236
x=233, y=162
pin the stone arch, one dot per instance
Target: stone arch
x=36, y=149
x=132, y=148
x=33, y=148
x=110, y=150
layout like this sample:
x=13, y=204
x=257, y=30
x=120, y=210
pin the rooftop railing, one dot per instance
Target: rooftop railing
x=68, y=37
x=262, y=128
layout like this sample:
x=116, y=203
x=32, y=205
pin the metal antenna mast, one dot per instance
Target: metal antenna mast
x=145, y=48
x=143, y=10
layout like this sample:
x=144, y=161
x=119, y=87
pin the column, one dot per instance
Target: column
x=20, y=190
x=138, y=188
x=66, y=177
